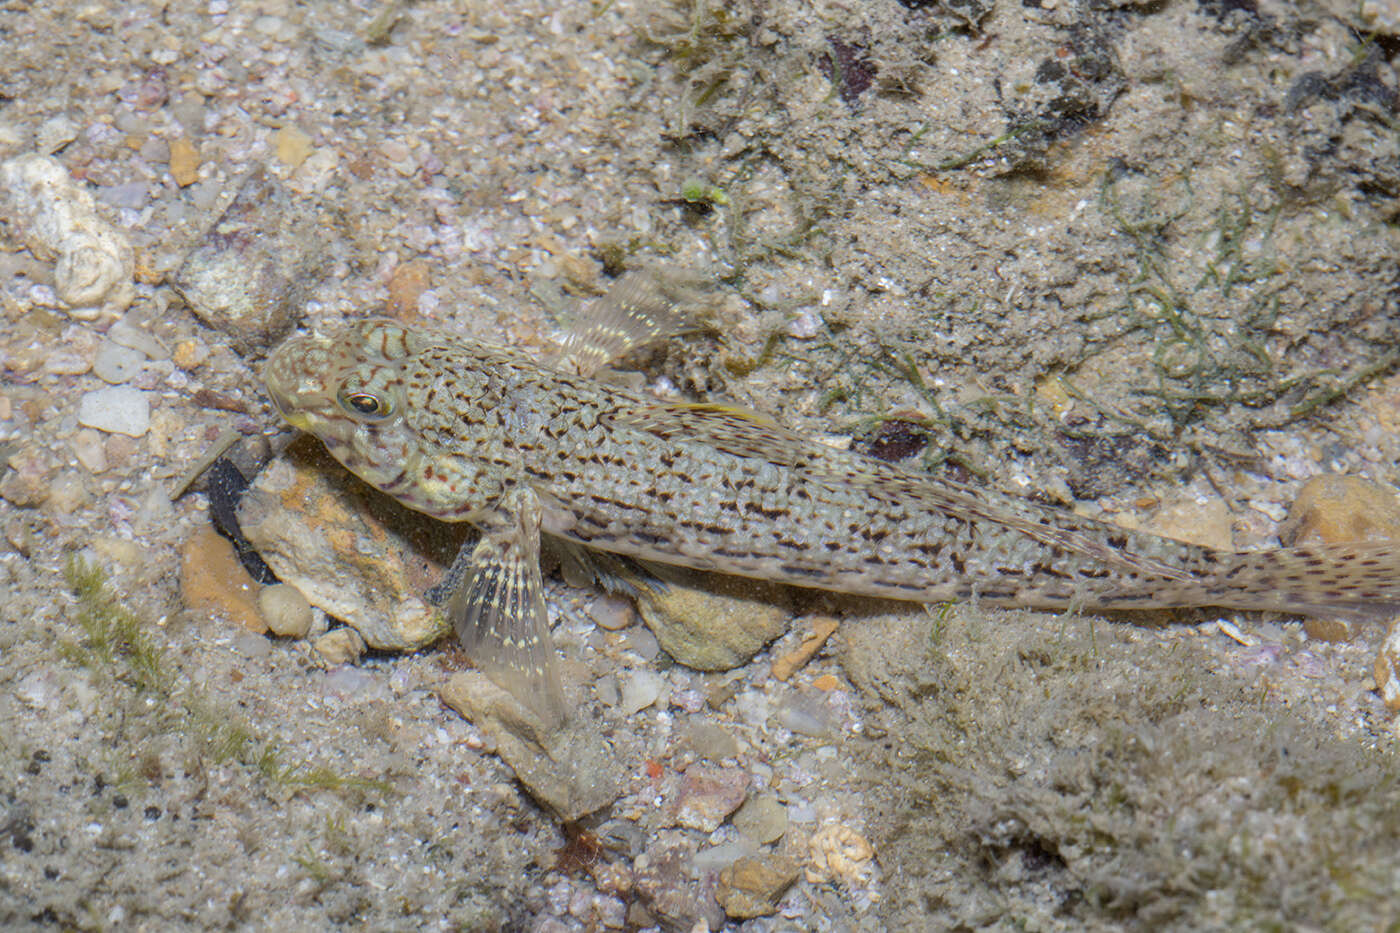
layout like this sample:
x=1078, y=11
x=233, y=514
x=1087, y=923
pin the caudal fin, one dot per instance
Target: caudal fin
x=1355, y=581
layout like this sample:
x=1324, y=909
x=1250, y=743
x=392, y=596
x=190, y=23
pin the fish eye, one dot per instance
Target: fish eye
x=365, y=404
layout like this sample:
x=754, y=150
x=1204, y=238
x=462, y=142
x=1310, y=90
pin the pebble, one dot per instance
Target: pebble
x=213, y=580
x=606, y=690
x=597, y=909
x=566, y=769
x=752, y=886
x=664, y=880
x=154, y=511
x=129, y=332
x=806, y=713
x=708, y=795
x=340, y=646
x=640, y=690
x=762, y=818
x=362, y=559
x=690, y=699
x=612, y=613
x=251, y=645
x=409, y=281
x=285, y=610
x=711, y=622
x=128, y=554
x=708, y=740
x=155, y=150
x=293, y=146
x=55, y=133
x=1335, y=509
x=806, y=325
x=129, y=195
x=348, y=682
x=1387, y=668
x=1208, y=524
x=90, y=450
x=66, y=362
x=188, y=111
x=68, y=493
x=276, y=27
x=26, y=483
x=57, y=220
x=801, y=812
x=642, y=642
x=189, y=354
x=753, y=708
x=317, y=172
x=184, y=162
x=399, y=157
x=838, y=853
x=119, y=449
x=719, y=857
x=39, y=690
x=117, y=364
x=785, y=666
x=116, y=410
x=249, y=274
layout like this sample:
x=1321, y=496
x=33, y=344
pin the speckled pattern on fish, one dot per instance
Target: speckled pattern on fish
x=465, y=431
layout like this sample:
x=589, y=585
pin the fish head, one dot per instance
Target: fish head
x=347, y=388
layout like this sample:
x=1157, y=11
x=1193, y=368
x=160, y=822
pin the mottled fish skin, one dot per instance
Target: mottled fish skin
x=461, y=426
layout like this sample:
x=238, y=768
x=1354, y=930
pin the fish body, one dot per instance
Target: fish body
x=465, y=431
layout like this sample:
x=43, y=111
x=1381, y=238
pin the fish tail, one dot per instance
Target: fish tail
x=1355, y=581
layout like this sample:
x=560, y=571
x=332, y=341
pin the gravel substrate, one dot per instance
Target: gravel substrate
x=1137, y=259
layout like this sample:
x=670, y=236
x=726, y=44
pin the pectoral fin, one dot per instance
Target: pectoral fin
x=639, y=308
x=497, y=608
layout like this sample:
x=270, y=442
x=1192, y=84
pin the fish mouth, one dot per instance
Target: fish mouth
x=295, y=396
x=288, y=409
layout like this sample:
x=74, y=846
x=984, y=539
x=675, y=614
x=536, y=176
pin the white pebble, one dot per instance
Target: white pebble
x=39, y=690
x=134, y=335
x=54, y=134
x=116, y=410
x=57, y=220
x=10, y=136
x=67, y=493
x=88, y=448
x=285, y=610
x=640, y=691
x=66, y=363
x=117, y=364
x=806, y=325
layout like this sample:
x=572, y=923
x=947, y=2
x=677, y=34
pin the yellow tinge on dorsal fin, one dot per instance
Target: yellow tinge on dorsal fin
x=727, y=410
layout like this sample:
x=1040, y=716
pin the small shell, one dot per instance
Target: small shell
x=57, y=220
x=839, y=853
